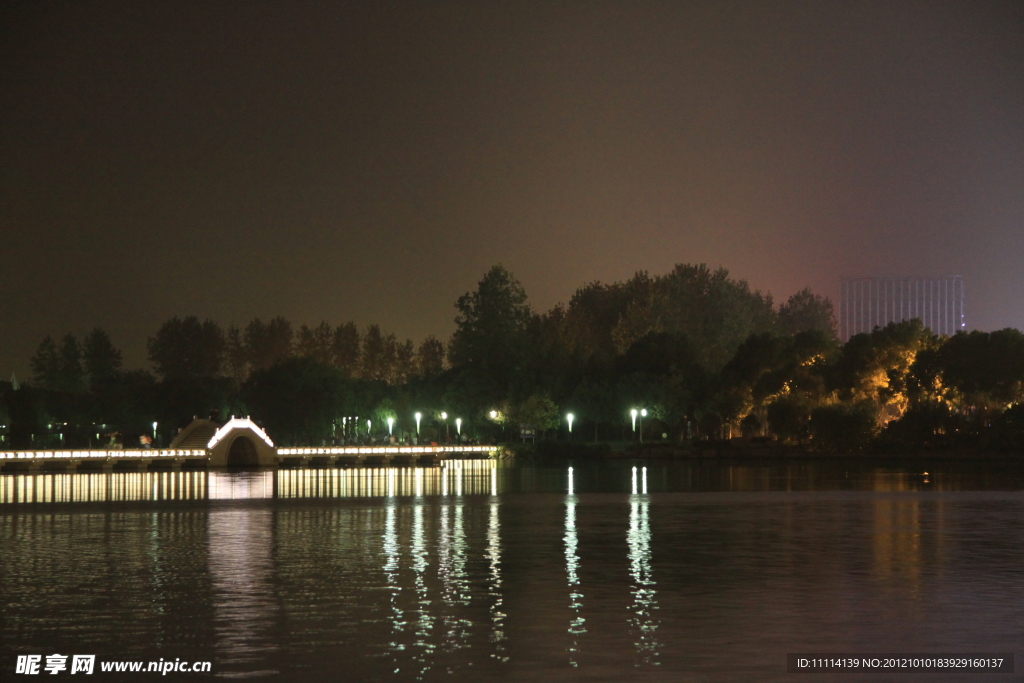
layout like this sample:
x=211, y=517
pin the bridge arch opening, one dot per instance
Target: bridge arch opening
x=243, y=453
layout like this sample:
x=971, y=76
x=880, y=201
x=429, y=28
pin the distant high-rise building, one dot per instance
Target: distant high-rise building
x=869, y=302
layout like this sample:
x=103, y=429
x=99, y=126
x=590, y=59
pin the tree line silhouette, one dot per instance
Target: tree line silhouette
x=705, y=356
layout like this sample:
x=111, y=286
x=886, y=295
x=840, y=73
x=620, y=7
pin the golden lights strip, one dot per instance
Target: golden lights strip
x=455, y=478
x=104, y=454
x=382, y=450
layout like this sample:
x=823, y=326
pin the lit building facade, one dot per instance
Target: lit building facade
x=869, y=302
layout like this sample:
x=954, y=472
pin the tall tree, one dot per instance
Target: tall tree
x=874, y=369
x=491, y=327
x=102, y=359
x=316, y=343
x=268, y=343
x=981, y=372
x=45, y=364
x=187, y=349
x=805, y=311
x=70, y=375
x=595, y=310
x=345, y=349
x=716, y=312
x=236, y=358
x=404, y=368
x=430, y=358
x=375, y=365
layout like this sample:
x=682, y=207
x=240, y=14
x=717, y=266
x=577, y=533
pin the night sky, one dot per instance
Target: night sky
x=370, y=161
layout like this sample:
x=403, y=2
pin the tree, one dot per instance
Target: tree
x=345, y=349
x=595, y=310
x=299, y=400
x=235, y=356
x=982, y=372
x=316, y=343
x=430, y=358
x=28, y=418
x=186, y=349
x=376, y=363
x=45, y=364
x=876, y=367
x=70, y=376
x=536, y=412
x=491, y=324
x=716, y=312
x=843, y=427
x=805, y=311
x=404, y=368
x=594, y=401
x=269, y=343
x=102, y=359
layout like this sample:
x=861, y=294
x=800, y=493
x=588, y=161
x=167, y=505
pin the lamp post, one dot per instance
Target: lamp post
x=643, y=414
x=458, y=426
x=391, y=423
x=569, y=418
x=367, y=427
x=633, y=413
x=418, y=416
x=444, y=416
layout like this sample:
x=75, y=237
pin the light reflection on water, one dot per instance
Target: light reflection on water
x=453, y=571
x=644, y=624
x=467, y=477
x=244, y=605
x=577, y=622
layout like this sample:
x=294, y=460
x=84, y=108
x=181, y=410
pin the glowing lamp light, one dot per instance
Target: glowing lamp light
x=493, y=414
x=418, y=416
x=367, y=426
x=391, y=423
x=444, y=416
x=458, y=426
x=569, y=418
x=633, y=414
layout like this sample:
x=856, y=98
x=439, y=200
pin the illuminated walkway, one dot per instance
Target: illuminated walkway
x=238, y=443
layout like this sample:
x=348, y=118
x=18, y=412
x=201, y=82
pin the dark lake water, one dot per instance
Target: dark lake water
x=481, y=571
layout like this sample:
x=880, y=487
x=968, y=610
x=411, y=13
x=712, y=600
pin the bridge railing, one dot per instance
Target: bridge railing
x=103, y=454
x=380, y=450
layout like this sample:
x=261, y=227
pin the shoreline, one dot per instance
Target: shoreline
x=718, y=451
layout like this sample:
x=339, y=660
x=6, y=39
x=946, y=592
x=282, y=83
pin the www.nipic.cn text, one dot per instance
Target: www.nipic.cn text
x=86, y=664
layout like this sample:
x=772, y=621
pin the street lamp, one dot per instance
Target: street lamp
x=493, y=414
x=391, y=423
x=569, y=418
x=418, y=416
x=444, y=416
x=633, y=414
x=643, y=414
x=458, y=426
x=367, y=427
